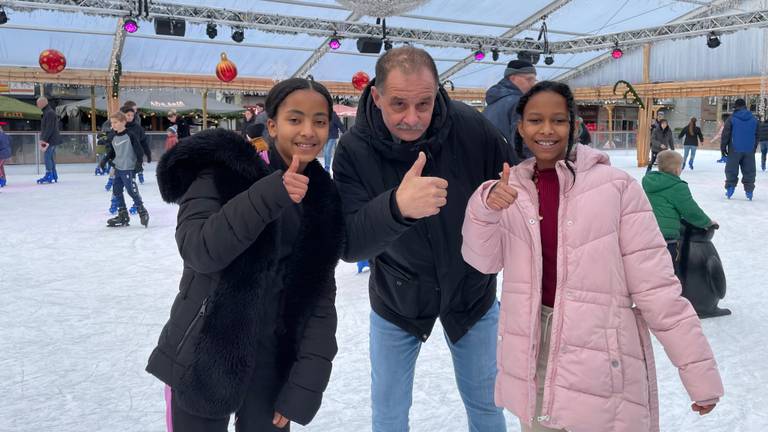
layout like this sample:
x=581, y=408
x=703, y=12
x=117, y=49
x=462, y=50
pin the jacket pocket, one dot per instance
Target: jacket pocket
x=614, y=356
x=397, y=289
x=191, y=332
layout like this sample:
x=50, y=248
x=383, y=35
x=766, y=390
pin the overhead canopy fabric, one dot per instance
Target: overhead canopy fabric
x=11, y=108
x=280, y=55
x=160, y=102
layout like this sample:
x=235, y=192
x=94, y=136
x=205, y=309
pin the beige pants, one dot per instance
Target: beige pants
x=541, y=370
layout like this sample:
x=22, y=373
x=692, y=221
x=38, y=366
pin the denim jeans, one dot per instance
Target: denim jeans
x=689, y=149
x=763, y=153
x=330, y=146
x=393, y=360
x=50, y=155
x=124, y=179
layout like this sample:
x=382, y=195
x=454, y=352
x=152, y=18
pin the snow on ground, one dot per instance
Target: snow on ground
x=82, y=306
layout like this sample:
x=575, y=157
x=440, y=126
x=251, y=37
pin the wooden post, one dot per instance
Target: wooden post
x=205, y=109
x=93, y=110
x=610, y=143
x=644, y=116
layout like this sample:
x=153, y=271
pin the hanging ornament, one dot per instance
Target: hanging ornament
x=226, y=70
x=381, y=8
x=52, y=61
x=359, y=80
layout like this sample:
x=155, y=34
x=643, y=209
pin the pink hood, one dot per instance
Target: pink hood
x=615, y=281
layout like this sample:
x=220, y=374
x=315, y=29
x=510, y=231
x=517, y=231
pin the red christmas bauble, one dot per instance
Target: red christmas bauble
x=226, y=70
x=359, y=80
x=52, y=61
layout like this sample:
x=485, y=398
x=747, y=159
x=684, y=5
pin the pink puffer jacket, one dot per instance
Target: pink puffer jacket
x=614, y=281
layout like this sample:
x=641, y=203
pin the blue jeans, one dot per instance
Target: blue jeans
x=330, y=146
x=689, y=149
x=393, y=361
x=124, y=179
x=50, y=163
x=763, y=153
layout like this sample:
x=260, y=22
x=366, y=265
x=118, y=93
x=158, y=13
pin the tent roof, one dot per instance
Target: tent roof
x=267, y=54
x=162, y=101
x=11, y=108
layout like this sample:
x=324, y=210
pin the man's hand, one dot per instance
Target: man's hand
x=502, y=194
x=44, y=145
x=279, y=421
x=418, y=197
x=296, y=184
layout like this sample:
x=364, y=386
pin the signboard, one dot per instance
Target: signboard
x=17, y=89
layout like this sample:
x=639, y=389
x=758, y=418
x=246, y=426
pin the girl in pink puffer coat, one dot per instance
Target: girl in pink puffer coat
x=588, y=275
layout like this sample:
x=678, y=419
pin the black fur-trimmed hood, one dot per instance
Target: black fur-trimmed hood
x=211, y=148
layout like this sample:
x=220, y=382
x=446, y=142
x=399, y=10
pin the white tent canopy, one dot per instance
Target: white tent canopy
x=269, y=54
x=162, y=101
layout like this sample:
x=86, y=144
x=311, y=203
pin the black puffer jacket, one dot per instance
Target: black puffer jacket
x=138, y=130
x=230, y=224
x=417, y=271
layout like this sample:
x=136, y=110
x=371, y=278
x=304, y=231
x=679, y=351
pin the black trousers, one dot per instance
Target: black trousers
x=255, y=415
x=745, y=162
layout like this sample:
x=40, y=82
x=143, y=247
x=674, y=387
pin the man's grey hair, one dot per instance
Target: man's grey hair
x=42, y=100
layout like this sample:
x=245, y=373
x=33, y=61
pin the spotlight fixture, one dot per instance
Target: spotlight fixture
x=495, y=54
x=211, y=30
x=238, y=35
x=713, y=41
x=479, y=54
x=387, y=44
x=334, y=43
x=549, y=60
x=617, y=53
x=130, y=25
x=3, y=16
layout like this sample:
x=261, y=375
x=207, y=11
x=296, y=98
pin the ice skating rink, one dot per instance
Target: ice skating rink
x=82, y=305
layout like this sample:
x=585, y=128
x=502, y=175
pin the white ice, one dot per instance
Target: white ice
x=82, y=306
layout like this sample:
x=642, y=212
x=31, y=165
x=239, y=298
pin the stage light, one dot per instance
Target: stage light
x=495, y=54
x=617, y=53
x=3, y=16
x=549, y=60
x=713, y=41
x=334, y=43
x=387, y=45
x=211, y=30
x=130, y=25
x=479, y=55
x=238, y=35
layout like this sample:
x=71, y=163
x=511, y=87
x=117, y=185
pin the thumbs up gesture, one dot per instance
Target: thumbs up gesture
x=502, y=195
x=296, y=184
x=418, y=197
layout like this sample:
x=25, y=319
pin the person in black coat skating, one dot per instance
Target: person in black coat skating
x=701, y=271
x=252, y=330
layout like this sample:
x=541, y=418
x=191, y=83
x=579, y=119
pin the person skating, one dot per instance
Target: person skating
x=124, y=152
x=49, y=140
x=586, y=274
x=691, y=136
x=661, y=139
x=134, y=125
x=740, y=138
x=5, y=153
x=762, y=139
x=672, y=201
x=260, y=245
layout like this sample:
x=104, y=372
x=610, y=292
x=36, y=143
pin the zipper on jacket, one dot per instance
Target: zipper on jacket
x=200, y=314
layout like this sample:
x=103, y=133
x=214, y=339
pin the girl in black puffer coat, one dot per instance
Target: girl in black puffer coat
x=252, y=330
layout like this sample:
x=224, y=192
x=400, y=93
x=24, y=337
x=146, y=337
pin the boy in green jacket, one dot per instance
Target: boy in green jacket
x=671, y=199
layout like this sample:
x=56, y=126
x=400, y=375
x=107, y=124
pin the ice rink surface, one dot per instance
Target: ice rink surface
x=82, y=306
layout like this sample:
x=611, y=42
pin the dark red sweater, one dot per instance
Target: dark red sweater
x=548, y=186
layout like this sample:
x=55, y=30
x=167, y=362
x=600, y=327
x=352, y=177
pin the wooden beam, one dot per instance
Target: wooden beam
x=679, y=89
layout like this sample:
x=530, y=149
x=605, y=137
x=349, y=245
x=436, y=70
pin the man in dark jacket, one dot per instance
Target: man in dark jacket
x=502, y=99
x=337, y=126
x=182, y=125
x=49, y=139
x=762, y=139
x=405, y=172
x=740, y=138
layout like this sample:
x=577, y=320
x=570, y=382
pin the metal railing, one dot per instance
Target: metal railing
x=76, y=147
x=620, y=140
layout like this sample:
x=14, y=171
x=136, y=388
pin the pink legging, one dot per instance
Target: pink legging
x=168, y=413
